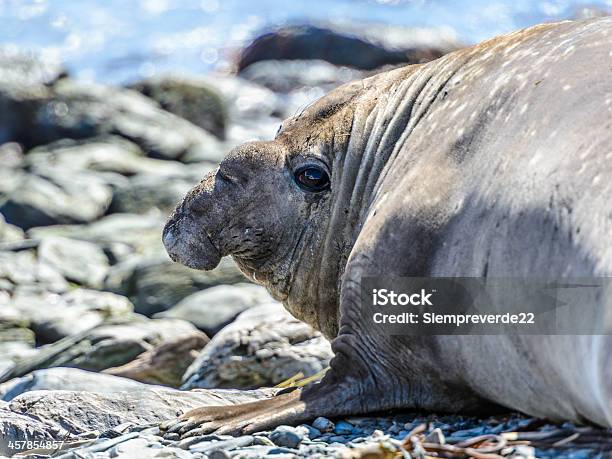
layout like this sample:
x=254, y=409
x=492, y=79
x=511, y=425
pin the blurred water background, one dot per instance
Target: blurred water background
x=119, y=41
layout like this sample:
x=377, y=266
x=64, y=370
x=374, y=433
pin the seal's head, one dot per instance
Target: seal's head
x=273, y=206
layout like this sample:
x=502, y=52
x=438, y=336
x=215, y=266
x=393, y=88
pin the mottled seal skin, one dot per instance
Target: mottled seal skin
x=495, y=160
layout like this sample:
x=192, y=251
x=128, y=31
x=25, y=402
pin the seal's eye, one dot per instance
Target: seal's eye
x=312, y=178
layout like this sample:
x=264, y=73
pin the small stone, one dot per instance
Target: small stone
x=79, y=261
x=187, y=442
x=279, y=453
x=209, y=447
x=203, y=308
x=395, y=428
x=56, y=196
x=344, y=428
x=156, y=284
x=219, y=454
x=311, y=433
x=287, y=436
x=262, y=441
x=8, y=232
x=145, y=430
x=323, y=424
x=190, y=99
x=263, y=347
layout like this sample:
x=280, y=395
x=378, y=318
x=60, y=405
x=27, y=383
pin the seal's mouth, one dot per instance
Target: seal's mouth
x=195, y=251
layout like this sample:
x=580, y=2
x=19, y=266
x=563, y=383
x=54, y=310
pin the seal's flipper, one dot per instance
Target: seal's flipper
x=286, y=408
x=330, y=398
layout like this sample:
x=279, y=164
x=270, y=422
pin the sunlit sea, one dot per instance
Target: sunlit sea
x=122, y=40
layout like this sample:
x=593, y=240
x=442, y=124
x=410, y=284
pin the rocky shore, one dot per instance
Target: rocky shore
x=102, y=337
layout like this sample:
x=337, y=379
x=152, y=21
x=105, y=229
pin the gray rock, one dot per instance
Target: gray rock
x=298, y=83
x=9, y=180
x=147, y=191
x=323, y=424
x=123, y=234
x=166, y=363
x=287, y=436
x=17, y=427
x=19, y=68
x=363, y=46
x=56, y=196
x=20, y=347
x=215, y=307
x=79, y=110
x=10, y=233
x=253, y=111
x=14, y=328
x=143, y=448
x=344, y=428
x=115, y=345
x=78, y=261
x=80, y=412
x=219, y=454
x=11, y=155
x=110, y=154
x=288, y=76
x=53, y=316
x=191, y=99
x=23, y=80
x=66, y=379
x=246, y=100
x=264, y=346
x=156, y=284
x=106, y=346
x=282, y=453
x=21, y=270
x=209, y=447
x=243, y=130
x=310, y=431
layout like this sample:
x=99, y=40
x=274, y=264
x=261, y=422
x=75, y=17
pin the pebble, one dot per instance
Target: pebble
x=282, y=451
x=209, y=446
x=344, y=428
x=263, y=441
x=219, y=454
x=187, y=442
x=287, y=436
x=323, y=424
x=312, y=432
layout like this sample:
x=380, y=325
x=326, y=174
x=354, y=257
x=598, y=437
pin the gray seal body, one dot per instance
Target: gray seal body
x=494, y=160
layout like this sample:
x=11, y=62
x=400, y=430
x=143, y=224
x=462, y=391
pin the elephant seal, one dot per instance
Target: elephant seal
x=494, y=160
